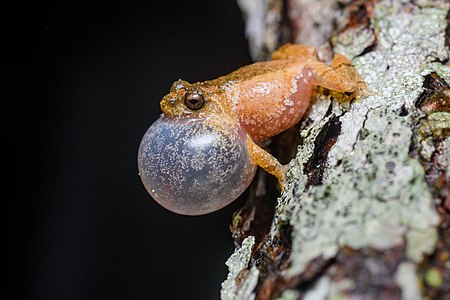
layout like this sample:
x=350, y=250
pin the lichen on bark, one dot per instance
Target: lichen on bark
x=367, y=204
x=237, y=263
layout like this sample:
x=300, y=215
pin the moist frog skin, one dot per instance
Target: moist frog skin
x=203, y=151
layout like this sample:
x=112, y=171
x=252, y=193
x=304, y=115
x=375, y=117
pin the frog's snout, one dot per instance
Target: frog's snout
x=168, y=104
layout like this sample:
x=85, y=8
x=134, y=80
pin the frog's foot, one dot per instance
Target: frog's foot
x=266, y=161
x=351, y=81
x=341, y=76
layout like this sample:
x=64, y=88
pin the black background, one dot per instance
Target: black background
x=95, y=74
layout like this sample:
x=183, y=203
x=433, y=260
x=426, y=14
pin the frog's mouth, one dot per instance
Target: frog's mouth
x=170, y=105
x=166, y=108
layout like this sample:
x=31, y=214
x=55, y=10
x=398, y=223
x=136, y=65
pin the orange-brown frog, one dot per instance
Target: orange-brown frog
x=202, y=153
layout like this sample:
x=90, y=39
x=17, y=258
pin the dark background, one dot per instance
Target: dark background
x=95, y=74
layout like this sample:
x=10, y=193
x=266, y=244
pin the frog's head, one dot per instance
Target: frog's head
x=190, y=100
x=194, y=160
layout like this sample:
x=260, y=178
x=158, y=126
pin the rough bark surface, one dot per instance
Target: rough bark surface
x=366, y=208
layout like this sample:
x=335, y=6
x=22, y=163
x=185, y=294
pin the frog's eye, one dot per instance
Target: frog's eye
x=194, y=101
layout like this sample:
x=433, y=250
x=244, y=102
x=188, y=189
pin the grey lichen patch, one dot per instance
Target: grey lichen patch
x=325, y=288
x=289, y=295
x=374, y=192
x=255, y=12
x=314, y=21
x=352, y=43
x=420, y=243
x=296, y=179
x=320, y=290
x=447, y=151
x=245, y=291
x=407, y=281
x=237, y=263
x=263, y=25
x=441, y=69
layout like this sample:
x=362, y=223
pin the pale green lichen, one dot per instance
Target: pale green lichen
x=351, y=43
x=238, y=262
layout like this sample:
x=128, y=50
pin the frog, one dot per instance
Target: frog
x=203, y=152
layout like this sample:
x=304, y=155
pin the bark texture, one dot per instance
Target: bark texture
x=365, y=212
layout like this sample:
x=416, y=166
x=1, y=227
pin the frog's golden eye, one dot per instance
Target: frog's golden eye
x=194, y=101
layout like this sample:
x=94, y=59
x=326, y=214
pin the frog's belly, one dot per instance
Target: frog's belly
x=271, y=107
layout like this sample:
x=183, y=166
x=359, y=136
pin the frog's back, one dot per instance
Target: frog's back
x=259, y=71
x=266, y=97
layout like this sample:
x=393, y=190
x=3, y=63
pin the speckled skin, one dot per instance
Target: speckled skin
x=266, y=98
x=192, y=168
x=261, y=99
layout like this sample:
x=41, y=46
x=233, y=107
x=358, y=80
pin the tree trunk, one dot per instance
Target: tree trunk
x=365, y=212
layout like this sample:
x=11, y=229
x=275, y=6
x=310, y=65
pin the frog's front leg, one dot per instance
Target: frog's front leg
x=266, y=161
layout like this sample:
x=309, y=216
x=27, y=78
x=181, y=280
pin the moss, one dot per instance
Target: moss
x=433, y=278
x=434, y=124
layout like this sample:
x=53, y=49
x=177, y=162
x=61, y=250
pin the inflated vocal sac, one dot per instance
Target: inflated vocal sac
x=192, y=166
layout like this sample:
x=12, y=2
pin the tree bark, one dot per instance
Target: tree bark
x=365, y=211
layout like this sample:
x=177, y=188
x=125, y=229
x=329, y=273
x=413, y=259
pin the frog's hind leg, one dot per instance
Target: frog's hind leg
x=288, y=51
x=341, y=76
